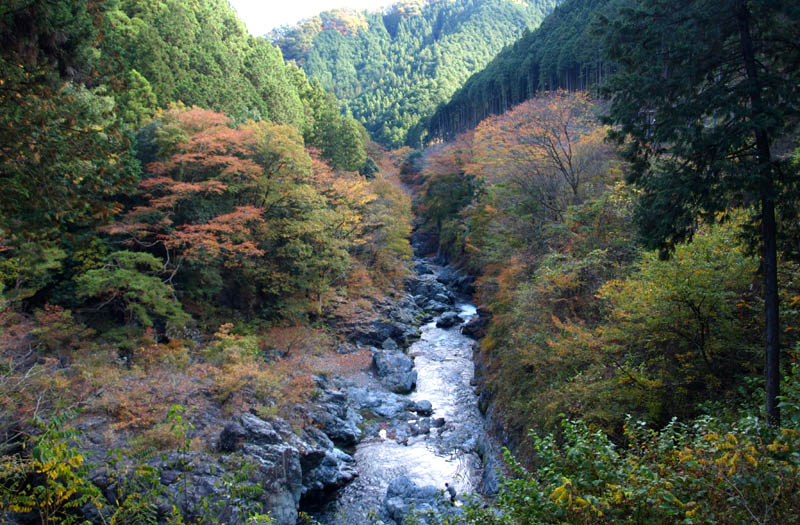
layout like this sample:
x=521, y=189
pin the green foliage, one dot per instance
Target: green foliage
x=137, y=102
x=52, y=482
x=128, y=283
x=562, y=53
x=705, y=471
x=137, y=488
x=446, y=195
x=340, y=138
x=393, y=69
x=28, y=267
x=200, y=53
x=686, y=328
x=695, y=154
x=701, y=122
x=64, y=158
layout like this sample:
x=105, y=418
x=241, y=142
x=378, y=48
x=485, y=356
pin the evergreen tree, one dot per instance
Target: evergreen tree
x=393, y=68
x=700, y=117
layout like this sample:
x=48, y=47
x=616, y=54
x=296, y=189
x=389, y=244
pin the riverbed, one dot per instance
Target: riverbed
x=445, y=455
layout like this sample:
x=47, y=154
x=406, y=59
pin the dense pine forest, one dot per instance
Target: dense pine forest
x=206, y=258
x=393, y=68
x=563, y=53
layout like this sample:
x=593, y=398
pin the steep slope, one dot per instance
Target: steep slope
x=561, y=53
x=200, y=54
x=393, y=68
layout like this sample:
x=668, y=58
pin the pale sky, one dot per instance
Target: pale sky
x=263, y=15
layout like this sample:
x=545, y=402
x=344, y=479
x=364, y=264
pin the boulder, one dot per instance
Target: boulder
x=423, y=408
x=389, y=344
x=375, y=333
x=457, y=280
x=444, y=298
x=422, y=267
x=400, y=383
x=476, y=327
x=404, y=496
x=424, y=425
x=435, y=307
x=395, y=370
x=290, y=467
x=336, y=419
x=333, y=471
x=380, y=403
x=427, y=286
x=448, y=319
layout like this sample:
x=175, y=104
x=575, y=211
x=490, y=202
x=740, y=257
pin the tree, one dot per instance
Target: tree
x=128, y=281
x=393, y=68
x=685, y=327
x=65, y=157
x=700, y=117
x=548, y=148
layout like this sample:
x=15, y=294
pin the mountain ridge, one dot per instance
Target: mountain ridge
x=393, y=67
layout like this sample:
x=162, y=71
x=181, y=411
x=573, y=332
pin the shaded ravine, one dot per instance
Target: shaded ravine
x=443, y=361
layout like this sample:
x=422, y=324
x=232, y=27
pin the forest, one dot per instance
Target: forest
x=563, y=53
x=391, y=69
x=199, y=227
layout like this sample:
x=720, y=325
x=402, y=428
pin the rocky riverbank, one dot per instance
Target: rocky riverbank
x=419, y=440
x=375, y=443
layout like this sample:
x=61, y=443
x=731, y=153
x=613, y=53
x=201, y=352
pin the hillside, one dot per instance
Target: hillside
x=392, y=69
x=183, y=231
x=222, y=302
x=560, y=54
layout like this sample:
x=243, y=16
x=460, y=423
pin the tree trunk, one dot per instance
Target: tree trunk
x=773, y=351
x=768, y=226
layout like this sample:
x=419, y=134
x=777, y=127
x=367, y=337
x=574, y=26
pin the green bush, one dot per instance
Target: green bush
x=704, y=471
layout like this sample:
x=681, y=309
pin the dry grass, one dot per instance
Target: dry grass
x=271, y=372
x=355, y=366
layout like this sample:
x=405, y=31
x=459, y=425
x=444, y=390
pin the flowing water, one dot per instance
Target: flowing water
x=443, y=360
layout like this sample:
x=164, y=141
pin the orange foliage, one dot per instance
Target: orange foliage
x=450, y=157
x=548, y=147
x=228, y=235
x=291, y=339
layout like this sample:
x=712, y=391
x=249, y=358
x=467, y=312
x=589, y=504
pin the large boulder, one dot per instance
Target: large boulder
x=375, y=333
x=476, y=327
x=381, y=404
x=336, y=419
x=426, y=286
x=423, y=408
x=333, y=471
x=448, y=319
x=404, y=497
x=247, y=428
x=281, y=477
x=395, y=370
x=444, y=298
x=435, y=307
x=422, y=267
x=277, y=454
x=289, y=467
x=456, y=280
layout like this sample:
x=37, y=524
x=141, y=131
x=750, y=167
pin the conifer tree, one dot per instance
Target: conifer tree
x=706, y=91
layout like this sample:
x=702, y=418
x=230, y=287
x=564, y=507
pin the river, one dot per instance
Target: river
x=443, y=360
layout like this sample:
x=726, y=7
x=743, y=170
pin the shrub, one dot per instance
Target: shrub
x=704, y=471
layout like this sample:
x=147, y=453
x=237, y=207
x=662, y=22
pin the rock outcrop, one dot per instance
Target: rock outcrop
x=395, y=370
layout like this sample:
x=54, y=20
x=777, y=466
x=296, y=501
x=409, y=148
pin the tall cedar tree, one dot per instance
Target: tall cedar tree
x=706, y=90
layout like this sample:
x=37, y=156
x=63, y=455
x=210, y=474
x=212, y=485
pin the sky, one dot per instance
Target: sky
x=263, y=15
